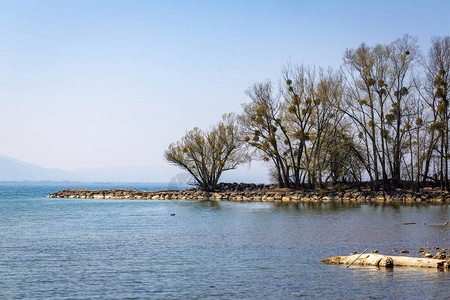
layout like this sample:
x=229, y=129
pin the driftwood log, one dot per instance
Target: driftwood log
x=378, y=260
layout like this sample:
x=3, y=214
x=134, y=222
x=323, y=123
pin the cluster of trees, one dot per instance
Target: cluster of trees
x=382, y=117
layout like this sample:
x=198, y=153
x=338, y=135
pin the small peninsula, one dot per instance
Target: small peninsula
x=249, y=192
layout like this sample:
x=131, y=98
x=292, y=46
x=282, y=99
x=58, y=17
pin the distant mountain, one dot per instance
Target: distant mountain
x=12, y=169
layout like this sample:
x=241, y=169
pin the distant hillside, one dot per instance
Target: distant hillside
x=12, y=169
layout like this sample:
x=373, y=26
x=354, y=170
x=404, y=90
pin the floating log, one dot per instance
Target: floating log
x=378, y=260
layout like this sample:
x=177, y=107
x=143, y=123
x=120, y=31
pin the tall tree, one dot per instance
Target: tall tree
x=260, y=121
x=379, y=104
x=402, y=59
x=435, y=93
x=359, y=64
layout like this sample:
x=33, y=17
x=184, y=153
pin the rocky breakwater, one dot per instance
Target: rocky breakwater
x=266, y=193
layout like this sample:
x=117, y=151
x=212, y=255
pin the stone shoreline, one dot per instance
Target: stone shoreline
x=266, y=195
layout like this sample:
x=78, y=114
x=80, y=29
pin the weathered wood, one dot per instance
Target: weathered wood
x=357, y=258
x=379, y=260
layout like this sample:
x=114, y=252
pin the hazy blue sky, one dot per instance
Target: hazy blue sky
x=105, y=83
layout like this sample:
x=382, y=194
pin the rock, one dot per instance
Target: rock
x=354, y=252
x=375, y=251
x=262, y=192
x=427, y=254
x=404, y=251
x=439, y=255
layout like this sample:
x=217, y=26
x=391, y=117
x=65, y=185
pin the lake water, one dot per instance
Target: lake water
x=117, y=249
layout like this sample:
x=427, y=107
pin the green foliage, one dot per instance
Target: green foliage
x=441, y=109
x=390, y=118
x=440, y=92
x=380, y=83
x=370, y=81
x=404, y=91
x=437, y=126
x=292, y=109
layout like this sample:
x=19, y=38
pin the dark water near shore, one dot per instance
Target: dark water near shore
x=116, y=249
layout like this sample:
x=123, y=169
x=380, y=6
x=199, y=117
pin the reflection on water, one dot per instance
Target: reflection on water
x=399, y=271
x=330, y=206
x=81, y=248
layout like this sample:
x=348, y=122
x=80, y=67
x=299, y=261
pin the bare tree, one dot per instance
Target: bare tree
x=380, y=105
x=206, y=155
x=260, y=121
x=300, y=129
x=434, y=91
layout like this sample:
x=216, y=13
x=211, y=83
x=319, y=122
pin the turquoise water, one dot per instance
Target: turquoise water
x=117, y=249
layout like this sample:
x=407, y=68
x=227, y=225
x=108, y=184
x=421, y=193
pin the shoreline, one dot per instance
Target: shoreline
x=266, y=195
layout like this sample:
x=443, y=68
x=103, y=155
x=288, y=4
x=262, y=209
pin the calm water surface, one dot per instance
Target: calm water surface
x=116, y=249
